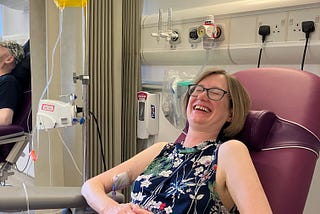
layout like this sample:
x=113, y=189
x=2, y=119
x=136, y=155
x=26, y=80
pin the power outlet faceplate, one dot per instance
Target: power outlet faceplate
x=295, y=18
x=277, y=23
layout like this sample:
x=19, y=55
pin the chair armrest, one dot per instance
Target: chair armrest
x=8, y=131
x=14, y=198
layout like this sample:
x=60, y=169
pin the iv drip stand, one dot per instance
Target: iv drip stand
x=85, y=110
x=85, y=129
x=85, y=133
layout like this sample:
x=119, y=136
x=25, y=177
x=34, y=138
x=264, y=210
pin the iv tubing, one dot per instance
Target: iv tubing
x=51, y=72
x=27, y=197
x=50, y=162
x=70, y=153
x=53, y=54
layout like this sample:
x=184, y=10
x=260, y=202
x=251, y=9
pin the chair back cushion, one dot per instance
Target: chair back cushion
x=22, y=72
x=291, y=94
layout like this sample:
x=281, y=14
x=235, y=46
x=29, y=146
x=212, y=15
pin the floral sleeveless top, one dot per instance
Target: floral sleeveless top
x=180, y=180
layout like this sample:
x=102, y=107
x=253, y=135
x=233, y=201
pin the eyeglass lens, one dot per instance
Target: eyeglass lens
x=212, y=93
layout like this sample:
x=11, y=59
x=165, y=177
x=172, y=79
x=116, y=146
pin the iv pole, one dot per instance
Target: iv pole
x=85, y=119
x=85, y=104
x=85, y=89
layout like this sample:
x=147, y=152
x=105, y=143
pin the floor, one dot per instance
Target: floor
x=19, y=178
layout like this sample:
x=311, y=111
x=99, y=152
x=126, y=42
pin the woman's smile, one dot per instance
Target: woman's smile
x=201, y=108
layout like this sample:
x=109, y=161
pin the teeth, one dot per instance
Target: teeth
x=202, y=108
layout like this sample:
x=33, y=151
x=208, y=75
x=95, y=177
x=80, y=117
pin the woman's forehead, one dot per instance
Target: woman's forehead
x=214, y=80
x=4, y=50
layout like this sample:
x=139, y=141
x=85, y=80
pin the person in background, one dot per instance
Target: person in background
x=208, y=172
x=11, y=53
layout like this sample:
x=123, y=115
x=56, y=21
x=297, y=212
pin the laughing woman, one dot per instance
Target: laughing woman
x=208, y=172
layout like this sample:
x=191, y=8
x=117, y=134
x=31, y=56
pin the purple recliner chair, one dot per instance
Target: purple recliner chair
x=282, y=132
x=13, y=138
x=286, y=155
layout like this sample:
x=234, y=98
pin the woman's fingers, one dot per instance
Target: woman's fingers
x=139, y=210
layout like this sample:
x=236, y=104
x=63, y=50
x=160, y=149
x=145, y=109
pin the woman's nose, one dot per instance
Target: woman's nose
x=203, y=95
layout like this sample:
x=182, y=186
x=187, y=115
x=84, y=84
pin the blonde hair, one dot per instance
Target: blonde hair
x=239, y=101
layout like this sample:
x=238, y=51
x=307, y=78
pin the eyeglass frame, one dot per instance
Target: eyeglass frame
x=207, y=90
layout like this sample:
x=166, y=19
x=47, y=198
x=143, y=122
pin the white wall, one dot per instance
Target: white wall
x=15, y=24
x=152, y=6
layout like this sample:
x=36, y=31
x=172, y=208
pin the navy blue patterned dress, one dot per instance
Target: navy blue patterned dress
x=180, y=180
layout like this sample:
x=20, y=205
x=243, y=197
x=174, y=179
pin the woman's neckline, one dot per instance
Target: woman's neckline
x=198, y=145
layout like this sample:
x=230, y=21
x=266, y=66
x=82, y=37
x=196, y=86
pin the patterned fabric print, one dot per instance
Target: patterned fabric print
x=180, y=180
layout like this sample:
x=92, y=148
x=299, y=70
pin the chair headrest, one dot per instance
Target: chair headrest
x=256, y=129
x=281, y=81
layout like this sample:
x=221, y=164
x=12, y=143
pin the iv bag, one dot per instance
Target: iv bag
x=61, y=4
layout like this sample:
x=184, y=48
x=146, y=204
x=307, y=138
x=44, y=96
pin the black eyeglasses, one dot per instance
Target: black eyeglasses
x=215, y=94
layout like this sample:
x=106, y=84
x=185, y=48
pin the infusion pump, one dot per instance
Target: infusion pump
x=56, y=114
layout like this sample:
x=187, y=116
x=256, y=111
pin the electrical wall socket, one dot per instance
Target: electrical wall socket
x=295, y=18
x=277, y=23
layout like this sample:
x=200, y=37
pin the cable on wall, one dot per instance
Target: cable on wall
x=307, y=28
x=264, y=31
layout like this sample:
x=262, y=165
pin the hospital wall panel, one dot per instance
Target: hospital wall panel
x=241, y=42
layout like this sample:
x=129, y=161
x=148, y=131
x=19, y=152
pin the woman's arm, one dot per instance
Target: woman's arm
x=6, y=115
x=238, y=178
x=95, y=189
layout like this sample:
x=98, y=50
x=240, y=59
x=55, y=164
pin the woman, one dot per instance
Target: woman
x=203, y=174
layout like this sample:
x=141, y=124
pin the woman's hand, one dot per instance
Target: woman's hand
x=119, y=209
x=139, y=210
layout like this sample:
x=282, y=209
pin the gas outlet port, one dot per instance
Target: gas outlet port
x=175, y=38
x=193, y=35
x=220, y=34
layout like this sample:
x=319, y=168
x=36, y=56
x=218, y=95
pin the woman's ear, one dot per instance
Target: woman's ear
x=229, y=116
x=9, y=59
